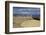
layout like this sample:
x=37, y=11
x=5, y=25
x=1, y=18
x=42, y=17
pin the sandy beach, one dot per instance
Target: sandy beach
x=28, y=21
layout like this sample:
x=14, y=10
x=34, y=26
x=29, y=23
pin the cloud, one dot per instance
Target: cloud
x=28, y=11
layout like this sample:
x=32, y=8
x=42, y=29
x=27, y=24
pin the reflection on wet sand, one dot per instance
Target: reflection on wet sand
x=27, y=21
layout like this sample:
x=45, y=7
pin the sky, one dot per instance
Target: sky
x=26, y=11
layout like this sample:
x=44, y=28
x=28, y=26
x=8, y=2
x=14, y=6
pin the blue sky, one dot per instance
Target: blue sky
x=26, y=11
